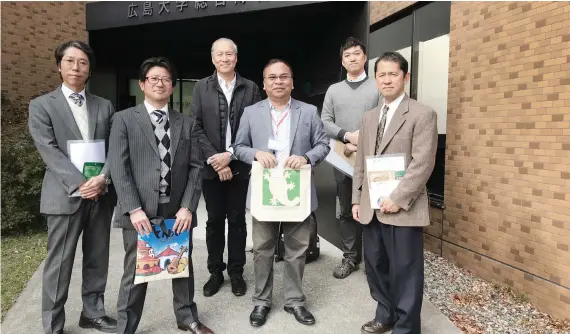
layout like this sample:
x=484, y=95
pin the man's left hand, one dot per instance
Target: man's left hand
x=93, y=188
x=220, y=160
x=295, y=162
x=388, y=206
x=183, y=221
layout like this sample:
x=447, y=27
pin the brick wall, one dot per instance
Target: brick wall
x=379, y=10
x=30, y=33
x=507, y=185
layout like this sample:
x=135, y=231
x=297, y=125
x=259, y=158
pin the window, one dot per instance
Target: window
x=421, y=34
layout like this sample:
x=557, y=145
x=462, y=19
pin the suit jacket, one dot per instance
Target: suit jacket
x=51, y=125
x=205, y=109
x=135, y=164
x=413, y=131
x=307, y=136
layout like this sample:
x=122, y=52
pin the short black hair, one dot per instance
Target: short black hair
x=394, y=57
x=275, y=61
x=60, y=51
x=349, y=43
x=158, y=62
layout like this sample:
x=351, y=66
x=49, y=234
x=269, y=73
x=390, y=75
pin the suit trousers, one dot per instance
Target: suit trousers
x=296, y=241
x=394, y=260
x=349, y=229
x=131, y=297
x=94, y=220
x=226, y=200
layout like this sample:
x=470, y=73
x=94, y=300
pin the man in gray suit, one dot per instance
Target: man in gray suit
x=71, y=113
x=156, y=163
x=393, y=235
x=281, y=130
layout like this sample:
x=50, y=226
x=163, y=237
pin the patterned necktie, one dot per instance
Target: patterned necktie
x=381, y=127
x=163, y=143
x=77, y=99
x=159, y=116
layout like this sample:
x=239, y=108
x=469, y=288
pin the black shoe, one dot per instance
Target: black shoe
x=238, y=285
x=258, y=316
x=196, y=328
x=301, y=314
x=344, y=269
x=103, y=324
x=373, y=327
x=214, y=283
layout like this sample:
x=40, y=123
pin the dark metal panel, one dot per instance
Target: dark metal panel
x=113, y=14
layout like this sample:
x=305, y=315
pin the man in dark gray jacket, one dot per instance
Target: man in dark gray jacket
x=345, y=103
x=155, y=161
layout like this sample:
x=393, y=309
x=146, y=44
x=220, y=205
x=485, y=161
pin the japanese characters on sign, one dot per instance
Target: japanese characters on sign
x=163, y=7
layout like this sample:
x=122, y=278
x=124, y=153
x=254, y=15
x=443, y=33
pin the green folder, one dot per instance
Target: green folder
x=91, y=169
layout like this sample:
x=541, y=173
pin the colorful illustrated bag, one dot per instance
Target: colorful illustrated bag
x=162, y=254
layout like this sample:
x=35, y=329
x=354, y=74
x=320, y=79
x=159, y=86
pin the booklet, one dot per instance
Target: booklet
x=384, y=173
x=88, y=156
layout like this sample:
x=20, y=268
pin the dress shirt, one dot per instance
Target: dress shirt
x=392, y=107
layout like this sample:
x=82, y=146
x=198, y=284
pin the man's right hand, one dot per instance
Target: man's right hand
x=349, y=149
x=266, y=159
x=225, y=174
x=352, y=137
x=140, y=222
x=356, y=212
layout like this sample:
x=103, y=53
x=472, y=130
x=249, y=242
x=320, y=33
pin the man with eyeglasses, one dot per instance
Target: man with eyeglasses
x=345, y=103
x=217, y=105
x=286, y=132
x=72, y=203
x=155, y=162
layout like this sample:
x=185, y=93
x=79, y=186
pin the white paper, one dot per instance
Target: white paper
x=337, y=161
x=381, y=190
x=81, y=152
x=385, y=163
x=383, y=174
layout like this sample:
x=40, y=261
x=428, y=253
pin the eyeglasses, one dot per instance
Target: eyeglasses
x=227, y=54
x=283, y=77
x=69, y=62
x=155, y=80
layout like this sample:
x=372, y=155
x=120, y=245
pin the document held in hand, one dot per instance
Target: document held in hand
x=88, y=156
x=384, y=173
x=338, y=159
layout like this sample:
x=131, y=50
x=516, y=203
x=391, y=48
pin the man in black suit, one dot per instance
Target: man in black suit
x=217, y=105
x=155, y=161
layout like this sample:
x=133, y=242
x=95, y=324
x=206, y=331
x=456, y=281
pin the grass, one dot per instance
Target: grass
x=21, y=256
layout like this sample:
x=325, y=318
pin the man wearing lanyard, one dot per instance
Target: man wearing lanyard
x=289, y=133
x=217, y=105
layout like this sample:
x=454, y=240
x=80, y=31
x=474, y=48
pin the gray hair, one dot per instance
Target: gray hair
x=223, y=39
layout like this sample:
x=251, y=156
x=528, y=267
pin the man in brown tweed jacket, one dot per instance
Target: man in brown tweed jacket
x=393, y=235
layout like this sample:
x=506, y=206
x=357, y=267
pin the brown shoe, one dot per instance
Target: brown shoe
x=196, y=328
x=374, y=327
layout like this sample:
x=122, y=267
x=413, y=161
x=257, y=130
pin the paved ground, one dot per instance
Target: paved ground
x=339, y=306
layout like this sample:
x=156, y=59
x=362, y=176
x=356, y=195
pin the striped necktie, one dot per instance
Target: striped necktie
x=381, y=127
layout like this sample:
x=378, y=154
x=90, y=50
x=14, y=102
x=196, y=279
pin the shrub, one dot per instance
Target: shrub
x=22, y=172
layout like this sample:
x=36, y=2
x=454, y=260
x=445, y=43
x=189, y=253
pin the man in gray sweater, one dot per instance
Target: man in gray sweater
x=345, y=103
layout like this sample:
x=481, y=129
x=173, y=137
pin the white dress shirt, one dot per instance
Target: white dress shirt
x=392, y=107
x=79, y=113
x=228, y=90
x=281, y=125
x=361, y=77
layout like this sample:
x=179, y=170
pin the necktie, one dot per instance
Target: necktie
x=77, y=99
x=381, y=127
x=159, y=116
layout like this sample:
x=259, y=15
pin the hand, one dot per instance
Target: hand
x=183, y=221
x=220, y=160
x=295, y=162
x=352, y=137
x=356, y=212
x=349, y=149
x=92, y=188
x=388, y=206
x=225, y=174
x=140, y=222
x=266, y=159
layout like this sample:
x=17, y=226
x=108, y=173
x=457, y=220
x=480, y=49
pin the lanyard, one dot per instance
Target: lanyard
x=277, y=124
